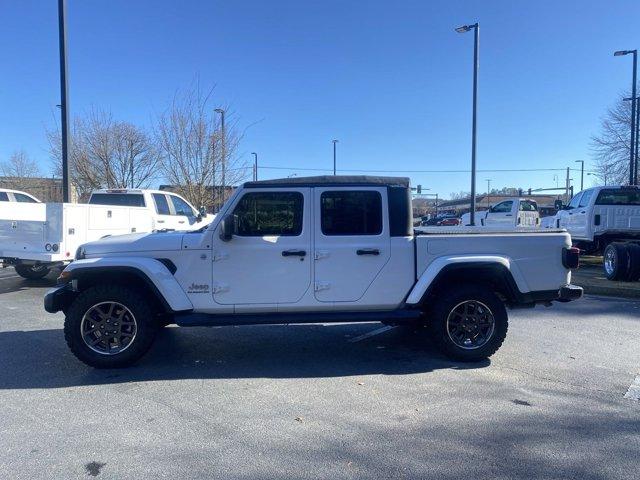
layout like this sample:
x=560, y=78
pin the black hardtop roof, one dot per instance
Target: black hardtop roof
x=331, y=180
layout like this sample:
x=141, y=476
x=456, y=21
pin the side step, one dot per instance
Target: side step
x=190, y=319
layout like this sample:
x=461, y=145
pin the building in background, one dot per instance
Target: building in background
x=43, y=188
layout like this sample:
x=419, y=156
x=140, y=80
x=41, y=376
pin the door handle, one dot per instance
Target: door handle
x=180, y=221
x=294, y=253
x=160, y=221
x=367, y=251
x=508, y=215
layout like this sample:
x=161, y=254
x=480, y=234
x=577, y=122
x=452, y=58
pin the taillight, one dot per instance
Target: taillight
x=571, y=257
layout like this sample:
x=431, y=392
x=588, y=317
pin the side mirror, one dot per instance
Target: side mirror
x=557, y=204
x=227, y=228
x=203, y=211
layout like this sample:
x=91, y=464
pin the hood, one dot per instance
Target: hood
x=135, y=242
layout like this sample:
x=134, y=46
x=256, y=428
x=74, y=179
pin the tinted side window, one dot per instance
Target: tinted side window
x=117, y=199
x=181, y=207
x=528, y=206
x=351, y=213
x=20, y=197
x=504, y=207
x=618, y=197
x=270, y=213
x=575, y=200
x=586, y=198
x=162, y=206
x=4, y=197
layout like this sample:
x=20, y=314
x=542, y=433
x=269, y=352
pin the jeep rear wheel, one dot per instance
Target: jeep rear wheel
x=32, y=272
x=469, y=323
x=109, y=326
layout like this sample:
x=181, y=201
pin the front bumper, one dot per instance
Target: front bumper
x=58, y=298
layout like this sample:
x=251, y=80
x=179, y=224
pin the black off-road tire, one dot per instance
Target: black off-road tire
x=134, y=301
x=32, y=272
x=633, y=253
x=616, y=261
x=446, y=302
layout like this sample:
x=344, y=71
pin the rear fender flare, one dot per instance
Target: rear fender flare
x=442, y=264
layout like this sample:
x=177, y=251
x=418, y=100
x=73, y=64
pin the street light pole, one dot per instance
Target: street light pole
x=64, y=98
x=476, y=40
x=334, y=156
x=488, y=192
x=255, y=165
x=637, y=156
x=581, y=174
x=223, y=145
x=632, y=169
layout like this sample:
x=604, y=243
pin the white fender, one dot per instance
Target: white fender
x=154, y=270
x=435, y=267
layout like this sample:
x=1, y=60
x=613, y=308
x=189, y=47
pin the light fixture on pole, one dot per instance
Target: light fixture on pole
x=334, y=156
x=255, y=165
x=476, y=39
x=632, y=168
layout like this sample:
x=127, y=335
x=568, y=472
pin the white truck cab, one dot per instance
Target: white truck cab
x=309, y=250
x=597, y=216
x=8, y=195
x=35, y=237
x=512, y=212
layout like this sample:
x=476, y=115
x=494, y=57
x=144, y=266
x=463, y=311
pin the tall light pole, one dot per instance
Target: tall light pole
x=223, y=145
x=476, y=39
x=64, y=98
x=581, y=174
x=635, y=163
x=255, y=165
x=632, y=169
x=334, y=155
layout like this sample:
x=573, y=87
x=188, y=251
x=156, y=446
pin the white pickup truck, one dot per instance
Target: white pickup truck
x=309, y=250
x=512, y=212
x=35, y=237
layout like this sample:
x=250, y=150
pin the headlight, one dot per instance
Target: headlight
x=80, y=254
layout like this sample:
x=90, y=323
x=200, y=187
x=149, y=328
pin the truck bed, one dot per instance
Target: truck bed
x=478, y=230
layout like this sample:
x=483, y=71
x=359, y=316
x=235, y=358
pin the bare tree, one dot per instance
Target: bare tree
x=610, y=148
x=17, y=170
x=105, y=153
x=189, y=137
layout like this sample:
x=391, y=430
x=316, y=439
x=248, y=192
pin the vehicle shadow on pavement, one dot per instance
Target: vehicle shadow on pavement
x=17, y=284
x=41, y=359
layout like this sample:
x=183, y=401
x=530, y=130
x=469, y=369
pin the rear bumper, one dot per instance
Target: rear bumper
x=58, y=298
x=566, y=293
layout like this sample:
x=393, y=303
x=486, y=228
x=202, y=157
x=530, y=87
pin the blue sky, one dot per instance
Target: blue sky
x=390, y=80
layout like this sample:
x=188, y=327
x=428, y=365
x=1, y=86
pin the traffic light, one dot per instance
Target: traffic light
x=419, y=189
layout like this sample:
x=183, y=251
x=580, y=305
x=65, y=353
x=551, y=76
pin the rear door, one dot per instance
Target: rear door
x=163, y=208
x=352, y=242
x=528, y=215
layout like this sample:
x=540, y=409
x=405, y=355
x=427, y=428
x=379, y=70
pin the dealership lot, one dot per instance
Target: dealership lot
x=319, y=401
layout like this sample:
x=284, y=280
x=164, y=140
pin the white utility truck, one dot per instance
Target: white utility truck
x=512, y=212
x=8, y=195
x=308, y=250
x=606, y=220
x=35, y=237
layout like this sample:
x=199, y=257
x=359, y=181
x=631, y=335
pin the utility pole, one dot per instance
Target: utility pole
x=255, y=166
x=581, y=174
x=334, y=156
x=632, y=161
x=567, y=182
x=64, y=98
x=488, y=192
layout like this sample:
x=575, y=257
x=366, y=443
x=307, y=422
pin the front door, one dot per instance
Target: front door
x=501, y=214
x=352, y=242
x=268, y=260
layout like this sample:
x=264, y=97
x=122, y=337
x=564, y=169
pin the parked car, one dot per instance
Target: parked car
x=449, y=222
x=438, y=219
x=513, y=212
x=35, y=237
x=7, y=195
x=308, y=250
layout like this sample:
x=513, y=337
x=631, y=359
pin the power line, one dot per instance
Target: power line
x=506, y=170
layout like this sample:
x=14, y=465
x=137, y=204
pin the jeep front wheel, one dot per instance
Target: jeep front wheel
x=468, y=323
x=109, y=326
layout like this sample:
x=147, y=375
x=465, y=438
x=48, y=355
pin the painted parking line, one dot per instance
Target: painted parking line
x=634, y=390
x=372, y=333
x=12, y=276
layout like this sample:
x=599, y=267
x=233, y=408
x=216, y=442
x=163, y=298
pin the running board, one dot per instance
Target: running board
x=190, y=319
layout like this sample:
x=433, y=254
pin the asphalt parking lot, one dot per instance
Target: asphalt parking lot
x=324, y=401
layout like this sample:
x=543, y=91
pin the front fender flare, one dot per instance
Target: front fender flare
x=153, y=272
x=441, y=263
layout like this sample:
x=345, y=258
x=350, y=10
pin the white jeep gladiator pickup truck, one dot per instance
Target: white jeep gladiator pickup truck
x=309, y=250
